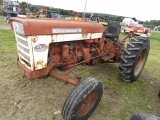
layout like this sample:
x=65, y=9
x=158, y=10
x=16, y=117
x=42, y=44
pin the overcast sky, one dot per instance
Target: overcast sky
x=141, y=9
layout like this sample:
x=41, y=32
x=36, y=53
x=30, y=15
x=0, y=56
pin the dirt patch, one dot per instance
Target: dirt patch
x=42, y=99
x=32, y=100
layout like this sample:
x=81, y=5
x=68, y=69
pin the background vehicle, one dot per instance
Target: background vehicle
x=35, y=12
x=53, y=14
x=99, y=19
x=11, y=9
x=137, y=29
x=42, y=13
x=129, y=21
x=46, y=44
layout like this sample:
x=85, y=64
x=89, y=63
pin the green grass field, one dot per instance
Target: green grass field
x=120, y=99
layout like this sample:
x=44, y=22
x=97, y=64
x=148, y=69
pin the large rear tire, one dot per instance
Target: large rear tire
x=83, y=100
x=134, y=58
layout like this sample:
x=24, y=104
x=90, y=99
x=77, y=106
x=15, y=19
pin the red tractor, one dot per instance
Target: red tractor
x=138, y=30
x=46, y=44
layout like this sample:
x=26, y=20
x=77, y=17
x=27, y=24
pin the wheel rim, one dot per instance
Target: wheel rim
x=140, y=62
x=88, y=104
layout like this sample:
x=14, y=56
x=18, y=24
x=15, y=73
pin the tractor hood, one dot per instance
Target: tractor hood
x=47, y=26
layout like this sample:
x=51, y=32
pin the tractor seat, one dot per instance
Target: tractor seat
x=113, y=30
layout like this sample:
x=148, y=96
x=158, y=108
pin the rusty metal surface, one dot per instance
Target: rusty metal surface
x=140, y=62
x=35, y=74
x=44, y=26
x=64, y=78
x=40, y=48
x=54, y=49
x=108, y=57
x=87, y=104
x=66, y=55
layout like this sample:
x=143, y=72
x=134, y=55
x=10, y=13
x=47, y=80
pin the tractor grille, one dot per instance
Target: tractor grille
x=24, y=50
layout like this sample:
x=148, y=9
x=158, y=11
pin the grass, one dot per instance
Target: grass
x=153, y=63
x=8, y=52
x=2, y=18
x=155, y=35
x=120, y=99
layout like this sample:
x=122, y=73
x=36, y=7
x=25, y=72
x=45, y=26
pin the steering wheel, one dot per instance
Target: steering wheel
x=100, y=20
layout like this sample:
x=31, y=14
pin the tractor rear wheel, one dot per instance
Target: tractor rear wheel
x=83, y=100
x=134, y=58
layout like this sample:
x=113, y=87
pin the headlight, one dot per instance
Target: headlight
x=18, y=27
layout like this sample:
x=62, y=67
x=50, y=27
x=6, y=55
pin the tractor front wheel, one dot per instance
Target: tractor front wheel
x=83, y=100
x=134, y=58
x=144, y=116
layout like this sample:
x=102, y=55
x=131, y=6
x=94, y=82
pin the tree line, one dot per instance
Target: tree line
x=23, y=6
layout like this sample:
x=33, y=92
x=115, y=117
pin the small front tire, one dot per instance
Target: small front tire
x=83, y=100
x=144, y=116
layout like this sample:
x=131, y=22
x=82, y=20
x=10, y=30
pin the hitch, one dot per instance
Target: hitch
x=64, y=77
